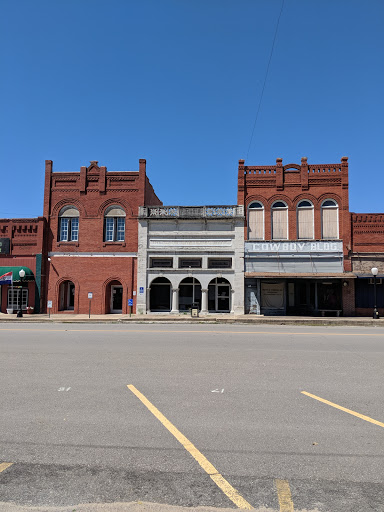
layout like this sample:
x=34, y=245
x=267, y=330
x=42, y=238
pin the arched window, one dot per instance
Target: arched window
x=330, y=219
x=305, y=227
x=69, y=224
x=256, y=221
x=279, y=221
x=114, y=224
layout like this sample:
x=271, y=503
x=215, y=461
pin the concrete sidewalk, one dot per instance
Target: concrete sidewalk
x=186, y=318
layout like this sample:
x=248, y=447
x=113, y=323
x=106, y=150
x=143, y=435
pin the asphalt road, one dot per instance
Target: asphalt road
x=75, y=433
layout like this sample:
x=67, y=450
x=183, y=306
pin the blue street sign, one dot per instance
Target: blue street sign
x=130, y=302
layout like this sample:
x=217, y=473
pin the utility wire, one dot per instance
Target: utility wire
x=266, y=76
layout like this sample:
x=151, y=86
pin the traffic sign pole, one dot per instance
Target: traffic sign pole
x=130, y=304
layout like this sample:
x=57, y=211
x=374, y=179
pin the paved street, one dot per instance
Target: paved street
x=192, y=415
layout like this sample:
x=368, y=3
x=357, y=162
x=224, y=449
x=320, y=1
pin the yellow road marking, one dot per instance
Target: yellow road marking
x=5, y=465
x=219, y=480
x=198, y=332
x=284, y=495
x=358, y=415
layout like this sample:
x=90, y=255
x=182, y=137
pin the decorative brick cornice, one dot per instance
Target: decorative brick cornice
x=123, y=190
x=262, y=183
x=320, y=181
x=369, y=231
x=291, y=166
x=71, y=177
x=122, y=178
x=373, y=218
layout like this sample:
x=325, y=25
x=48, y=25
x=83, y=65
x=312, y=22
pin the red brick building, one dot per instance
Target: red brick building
x=305, y=253
x=298, y=232
x=92, y=237
x=21, y=247
x=368, y=252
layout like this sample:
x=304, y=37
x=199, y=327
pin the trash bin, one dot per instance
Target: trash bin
x=195, y=309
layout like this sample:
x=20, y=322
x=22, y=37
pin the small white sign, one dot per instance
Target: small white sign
x=90, y=295
x=134, y=293
x=49, y=304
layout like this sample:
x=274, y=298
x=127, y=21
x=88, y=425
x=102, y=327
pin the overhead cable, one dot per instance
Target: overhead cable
x=265, y=78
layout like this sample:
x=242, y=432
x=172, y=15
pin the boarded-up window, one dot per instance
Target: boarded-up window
x=256, y=221
x=279, y=221
x=330, y=219
x=305, y=229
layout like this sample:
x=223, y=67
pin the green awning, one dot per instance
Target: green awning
x=15, y=273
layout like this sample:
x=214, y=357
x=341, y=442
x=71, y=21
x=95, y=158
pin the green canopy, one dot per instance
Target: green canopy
x=15, y=273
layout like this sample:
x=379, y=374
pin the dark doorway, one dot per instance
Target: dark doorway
x=116, y=299
x=301, y=297
x=189, y=292
x=160, y=295
x=329, y=295
x=67, y=296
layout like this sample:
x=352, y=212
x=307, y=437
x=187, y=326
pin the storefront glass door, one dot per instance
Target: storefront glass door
x=219, y=295
x=222, y=298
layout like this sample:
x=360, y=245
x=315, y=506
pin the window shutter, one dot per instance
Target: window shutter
x=280, y=224
x=256, y=224
x=305, y=223
x=330, y=223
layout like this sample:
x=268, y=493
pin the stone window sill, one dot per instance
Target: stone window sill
x=114, y=244
x=67, y=244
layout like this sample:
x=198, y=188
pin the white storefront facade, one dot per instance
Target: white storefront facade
x=191, y=255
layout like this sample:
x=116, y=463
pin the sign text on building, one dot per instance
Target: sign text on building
x=278, y=247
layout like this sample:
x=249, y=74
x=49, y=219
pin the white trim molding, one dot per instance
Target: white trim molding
x=93, y=254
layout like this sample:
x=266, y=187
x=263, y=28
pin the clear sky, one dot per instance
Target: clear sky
x=179, y=82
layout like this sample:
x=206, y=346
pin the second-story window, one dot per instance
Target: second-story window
x=114, y=224
x=330, y=219
x=279, y=221
x=305, y=228
x=256, y=221
x=69, y=224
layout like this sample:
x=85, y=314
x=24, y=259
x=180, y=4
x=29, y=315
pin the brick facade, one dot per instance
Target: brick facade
x=90, y=263
x=368, y=252
x=67, y=268
x=291, y=184
x=26, y=249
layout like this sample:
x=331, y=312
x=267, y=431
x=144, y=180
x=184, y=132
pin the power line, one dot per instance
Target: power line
x=266, y=76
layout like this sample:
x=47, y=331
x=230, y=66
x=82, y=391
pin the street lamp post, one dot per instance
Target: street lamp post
x=22, y=275
x=375, y=312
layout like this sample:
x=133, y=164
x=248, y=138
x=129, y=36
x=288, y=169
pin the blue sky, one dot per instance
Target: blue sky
x=178, y=82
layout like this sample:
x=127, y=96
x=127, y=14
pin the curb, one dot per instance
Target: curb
x=334, y=322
